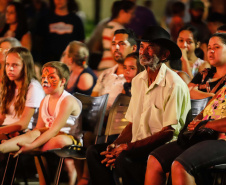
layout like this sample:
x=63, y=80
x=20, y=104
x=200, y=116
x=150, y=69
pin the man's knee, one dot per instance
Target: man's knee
x=91, y=151
x=122, y=162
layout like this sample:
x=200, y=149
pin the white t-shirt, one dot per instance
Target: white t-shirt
x=110, y=83
x=34, y=97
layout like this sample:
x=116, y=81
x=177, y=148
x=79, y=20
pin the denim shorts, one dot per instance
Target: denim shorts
x=203, y=155
x=166, y=154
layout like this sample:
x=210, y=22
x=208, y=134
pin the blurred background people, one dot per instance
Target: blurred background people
x=221, y=29
x=122, y=12
x=5, y=45
x=188, y=41
x=82, y=79
x=143, y=17
x=214, y=21
x=176, y=22
x=3, y=5
x=16, y=24
x=59, y=27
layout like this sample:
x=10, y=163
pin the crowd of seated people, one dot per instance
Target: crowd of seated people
x=160, y=75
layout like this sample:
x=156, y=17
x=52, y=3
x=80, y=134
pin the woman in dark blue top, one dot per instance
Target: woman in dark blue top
x=82, y=78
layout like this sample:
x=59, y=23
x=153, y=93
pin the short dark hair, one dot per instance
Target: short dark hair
x=223, y=28
x=130, y=33
x=193, y=30
x=216, y=17
x=71, y=5
x=222, y=37
x=135, y=55
x=177, y=7
x=121, y=5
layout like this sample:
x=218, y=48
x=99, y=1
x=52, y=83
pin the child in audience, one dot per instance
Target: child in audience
x=131, y=68
x=5, y=45
x=57, y=117
x=21, y=93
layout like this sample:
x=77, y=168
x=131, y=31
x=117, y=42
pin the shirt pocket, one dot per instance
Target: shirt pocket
x=152, y=119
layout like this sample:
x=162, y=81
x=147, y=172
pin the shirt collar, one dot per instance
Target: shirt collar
x=160, y=78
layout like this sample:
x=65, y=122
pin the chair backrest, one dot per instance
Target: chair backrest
x=198, y=105
x=93, y=112
x=116, y=119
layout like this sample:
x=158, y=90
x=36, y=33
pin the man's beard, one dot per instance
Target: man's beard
x=151, y=62
x=119, y=58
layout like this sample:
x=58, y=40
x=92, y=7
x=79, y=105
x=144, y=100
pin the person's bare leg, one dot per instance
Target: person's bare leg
x=11, y=144
x=180, y=175
x=72, y=173
x=85, y=176
x=58, y=141
x=154, y=173
x=39, y=170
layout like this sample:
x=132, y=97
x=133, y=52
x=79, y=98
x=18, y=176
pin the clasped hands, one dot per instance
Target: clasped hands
x=111, y=153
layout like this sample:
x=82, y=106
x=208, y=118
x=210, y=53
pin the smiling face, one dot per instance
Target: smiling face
x=216, y=52
x=121, y=47
x=13, y=66
x=50, y=80
x=130, y=69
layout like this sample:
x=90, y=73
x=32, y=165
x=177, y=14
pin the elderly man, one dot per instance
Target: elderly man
x=157, y=111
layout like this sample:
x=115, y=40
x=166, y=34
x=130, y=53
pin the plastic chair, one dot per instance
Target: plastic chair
x=197, y=105
x=116, y=119
x=91, y=119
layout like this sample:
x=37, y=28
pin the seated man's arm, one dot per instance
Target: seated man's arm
x=163, y=136
x=125, y=136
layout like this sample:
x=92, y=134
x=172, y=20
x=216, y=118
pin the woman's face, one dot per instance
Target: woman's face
x=130, y=69
x=216, y=52
x=186, y=41
x=11, y=15
x=59, y=4
x=13, y=66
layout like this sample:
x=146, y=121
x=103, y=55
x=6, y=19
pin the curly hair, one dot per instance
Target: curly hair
x=8, y=87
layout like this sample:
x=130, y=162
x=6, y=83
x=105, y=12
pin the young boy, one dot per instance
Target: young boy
x=57, y=115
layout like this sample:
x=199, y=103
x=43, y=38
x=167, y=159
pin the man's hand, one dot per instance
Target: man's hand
x=111, y=153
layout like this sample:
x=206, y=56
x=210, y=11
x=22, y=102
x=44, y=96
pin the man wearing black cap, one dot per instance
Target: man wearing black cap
x=158, y=108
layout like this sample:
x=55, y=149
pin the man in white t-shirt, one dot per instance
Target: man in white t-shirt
x=111, y=80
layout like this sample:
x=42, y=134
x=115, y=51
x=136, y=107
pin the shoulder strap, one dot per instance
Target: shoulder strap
x=218, y=84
